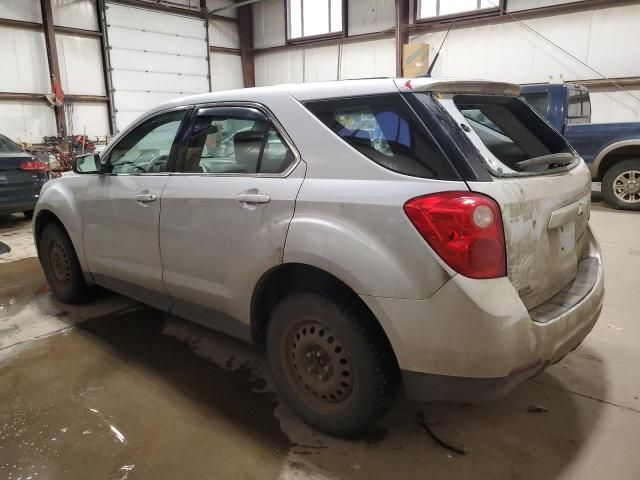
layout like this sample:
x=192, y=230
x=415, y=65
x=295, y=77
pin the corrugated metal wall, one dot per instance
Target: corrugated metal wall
x=156, y=56
x=605, y=38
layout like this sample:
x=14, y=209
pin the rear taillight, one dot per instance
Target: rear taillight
x=35, y=166
x=464, y=229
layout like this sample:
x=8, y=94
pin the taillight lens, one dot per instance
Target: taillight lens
x=464, y=229
x=35, y=166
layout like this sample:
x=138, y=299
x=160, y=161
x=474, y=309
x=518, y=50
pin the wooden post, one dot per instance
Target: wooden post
x=52, y=58
x=402, y=31
x=245, y=32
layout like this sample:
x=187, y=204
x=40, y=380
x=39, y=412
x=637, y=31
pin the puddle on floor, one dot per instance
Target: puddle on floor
x=115, y=396
x=19, y=282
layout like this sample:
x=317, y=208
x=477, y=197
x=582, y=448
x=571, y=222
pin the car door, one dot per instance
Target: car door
x=121, y=211
x=225, y=214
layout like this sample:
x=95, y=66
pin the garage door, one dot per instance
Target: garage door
x=155, y=56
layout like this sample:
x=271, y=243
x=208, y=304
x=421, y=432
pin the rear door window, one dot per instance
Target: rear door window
x=384, y=129
x=237, y=140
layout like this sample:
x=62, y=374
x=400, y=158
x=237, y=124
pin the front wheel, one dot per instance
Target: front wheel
x=621, y=185
x=329, y=364
x=61, y=267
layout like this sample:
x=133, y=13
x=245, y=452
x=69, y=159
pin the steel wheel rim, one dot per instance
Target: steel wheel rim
x=626, y=186
x=318, y=365
x=59, y=264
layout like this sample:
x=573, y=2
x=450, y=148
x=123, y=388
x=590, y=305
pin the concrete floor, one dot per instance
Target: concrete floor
x=117, y=390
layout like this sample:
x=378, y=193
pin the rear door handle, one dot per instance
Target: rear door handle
x=252, y=197
x=145, y=197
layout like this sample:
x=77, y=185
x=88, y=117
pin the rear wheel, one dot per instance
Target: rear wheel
x=61, y=266
x=621, y=185
x=28, y=214
x=333, y=370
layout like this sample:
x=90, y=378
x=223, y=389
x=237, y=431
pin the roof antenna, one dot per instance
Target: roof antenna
x=435, y=59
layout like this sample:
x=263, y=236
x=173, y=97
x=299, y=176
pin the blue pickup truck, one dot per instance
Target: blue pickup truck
x=611, y=150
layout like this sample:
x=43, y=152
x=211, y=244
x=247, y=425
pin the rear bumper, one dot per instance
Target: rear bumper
x=18, y=204
x=474, y=339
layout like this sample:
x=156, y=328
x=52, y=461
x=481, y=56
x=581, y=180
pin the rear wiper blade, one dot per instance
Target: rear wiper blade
x=561, y=159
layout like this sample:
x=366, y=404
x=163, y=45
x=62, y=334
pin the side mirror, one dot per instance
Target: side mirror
x=89, y=163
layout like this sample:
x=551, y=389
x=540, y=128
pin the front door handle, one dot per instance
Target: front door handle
x=145, y=197
x=252, y=197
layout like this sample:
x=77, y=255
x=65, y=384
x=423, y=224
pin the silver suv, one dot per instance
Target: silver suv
x=364, y=232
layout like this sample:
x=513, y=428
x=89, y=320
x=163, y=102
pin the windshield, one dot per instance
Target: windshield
x=7, y=146
x=514, y=135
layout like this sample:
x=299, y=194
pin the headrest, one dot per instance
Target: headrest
x=247, y=147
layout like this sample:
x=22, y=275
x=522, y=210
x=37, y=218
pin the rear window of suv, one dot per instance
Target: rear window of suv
x=512, y=132
x=384, y=129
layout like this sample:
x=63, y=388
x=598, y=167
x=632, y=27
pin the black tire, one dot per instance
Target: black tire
x=28, y=214
x=614, y=194
x=339, y=343
x=61, y=267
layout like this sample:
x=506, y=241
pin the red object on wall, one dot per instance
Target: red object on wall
x=57, y=93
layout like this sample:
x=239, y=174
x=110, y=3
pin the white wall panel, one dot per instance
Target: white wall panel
x=321, y=63
x=92, y=116
x=230, y=12
x=606, y=39
x=154, y=56
x=615, y=106
x=279, y=67
x=369, y=59
x=366, y=16
x=23, y=58
x=26, y=121
x=26, y=10
x=268, y=23
x=226, y=71
x=80, y=61
x=75, y=13
x=223, y=34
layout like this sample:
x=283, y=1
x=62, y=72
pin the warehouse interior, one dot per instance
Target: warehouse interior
x=114, y=388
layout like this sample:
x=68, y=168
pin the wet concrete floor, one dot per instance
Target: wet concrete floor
x=113, y=389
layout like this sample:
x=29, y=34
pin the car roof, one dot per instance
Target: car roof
x=339, y=89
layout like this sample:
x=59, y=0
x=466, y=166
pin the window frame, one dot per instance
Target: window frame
x=184, y=144
x=458, y=17
x=105, y=157
x=310, y=38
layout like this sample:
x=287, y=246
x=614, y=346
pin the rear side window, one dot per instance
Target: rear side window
x=384, y=129
x=578, y=107
x=7, y=146
x=512, y=132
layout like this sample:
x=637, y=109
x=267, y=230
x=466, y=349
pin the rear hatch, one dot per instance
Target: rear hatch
x=541, y=185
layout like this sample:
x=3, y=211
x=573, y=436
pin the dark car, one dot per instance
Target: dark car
x=21, y=178
x=610, y=150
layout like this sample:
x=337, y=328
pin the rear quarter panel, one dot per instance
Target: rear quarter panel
x=593, y=141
